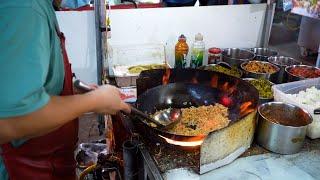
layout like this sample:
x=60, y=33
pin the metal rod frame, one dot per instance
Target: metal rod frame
x=99, y=13
x=100, y=26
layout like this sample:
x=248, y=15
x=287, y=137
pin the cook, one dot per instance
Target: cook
x=38, y=111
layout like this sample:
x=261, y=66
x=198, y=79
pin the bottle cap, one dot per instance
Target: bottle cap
x=198, y=37
x=182, y=37
x=215, y=50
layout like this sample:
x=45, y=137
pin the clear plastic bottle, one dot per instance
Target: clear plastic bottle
x=197, y=52
x=181, y=52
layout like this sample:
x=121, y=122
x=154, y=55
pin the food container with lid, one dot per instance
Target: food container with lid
x=282, y=127
x=281, y=92
x=214, y=55
x=282, y=62
x=303, y=72
x=123, y=57
x=236, y=56
x=257, y=75
x=262, y=54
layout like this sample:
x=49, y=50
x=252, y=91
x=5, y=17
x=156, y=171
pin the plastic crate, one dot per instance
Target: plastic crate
x=280, y=94
x=121, y=57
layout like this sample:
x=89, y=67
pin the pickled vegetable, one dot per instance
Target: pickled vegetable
x=231, y=72
x=264, y=87
x=138, y=69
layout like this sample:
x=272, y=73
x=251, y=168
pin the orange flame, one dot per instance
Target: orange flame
x=245, y=108
x=225, y=86
x=231, y=89
x=166, y=76
x=214, y=81
x=228, y=89
x=192, y=142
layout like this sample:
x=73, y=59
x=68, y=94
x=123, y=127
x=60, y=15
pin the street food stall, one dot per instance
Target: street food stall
x=251, y=113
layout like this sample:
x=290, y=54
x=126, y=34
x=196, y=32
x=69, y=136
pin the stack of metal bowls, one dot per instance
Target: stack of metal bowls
x=292, y=77
x=271, y=77
x=236, y=56
x=262, y=54
x=282, y=62
x=282, y=127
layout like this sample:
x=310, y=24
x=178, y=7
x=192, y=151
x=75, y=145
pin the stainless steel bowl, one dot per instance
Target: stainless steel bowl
x=236, y=56
x=262, y=100
x=282, y=62
x=283, y=137
x=271, y=77
x=292, y=77
x=263, y=54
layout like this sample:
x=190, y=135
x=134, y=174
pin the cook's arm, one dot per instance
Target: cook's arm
x=60, y=110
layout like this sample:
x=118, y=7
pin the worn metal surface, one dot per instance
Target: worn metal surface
x=224, y=146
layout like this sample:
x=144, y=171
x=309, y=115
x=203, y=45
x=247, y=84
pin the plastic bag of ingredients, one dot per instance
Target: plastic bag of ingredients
x=304, y=94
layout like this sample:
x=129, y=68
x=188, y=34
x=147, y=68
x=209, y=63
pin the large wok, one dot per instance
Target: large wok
x=182, y=94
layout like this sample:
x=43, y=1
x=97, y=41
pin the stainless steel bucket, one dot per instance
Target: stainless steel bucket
x=281, y=137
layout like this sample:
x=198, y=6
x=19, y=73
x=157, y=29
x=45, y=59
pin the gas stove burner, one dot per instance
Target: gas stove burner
x=87, y=154
x=108, y=167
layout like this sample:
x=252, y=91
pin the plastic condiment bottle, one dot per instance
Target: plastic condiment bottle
x=197, y=51
x=181, y=52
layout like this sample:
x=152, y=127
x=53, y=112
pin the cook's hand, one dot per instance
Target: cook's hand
x=107, y=100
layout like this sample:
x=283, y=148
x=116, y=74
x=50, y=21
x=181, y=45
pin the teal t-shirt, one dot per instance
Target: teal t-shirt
x=31, y=63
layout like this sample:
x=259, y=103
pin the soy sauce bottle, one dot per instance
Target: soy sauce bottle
x=181, y=52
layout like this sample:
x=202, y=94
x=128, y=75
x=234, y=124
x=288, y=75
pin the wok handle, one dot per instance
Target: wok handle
x=82, y=86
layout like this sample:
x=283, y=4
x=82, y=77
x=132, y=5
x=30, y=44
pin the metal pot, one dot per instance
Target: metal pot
x=284, y=137
x=263, y=54
x=236, y=56
x=292, y=77
x=271, y=77
x=282, y=62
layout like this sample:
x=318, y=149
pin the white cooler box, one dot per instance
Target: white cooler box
x=121, y=57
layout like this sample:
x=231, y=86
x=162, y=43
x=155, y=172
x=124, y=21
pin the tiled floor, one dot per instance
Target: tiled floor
x=285, y=42
x=88, y=128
